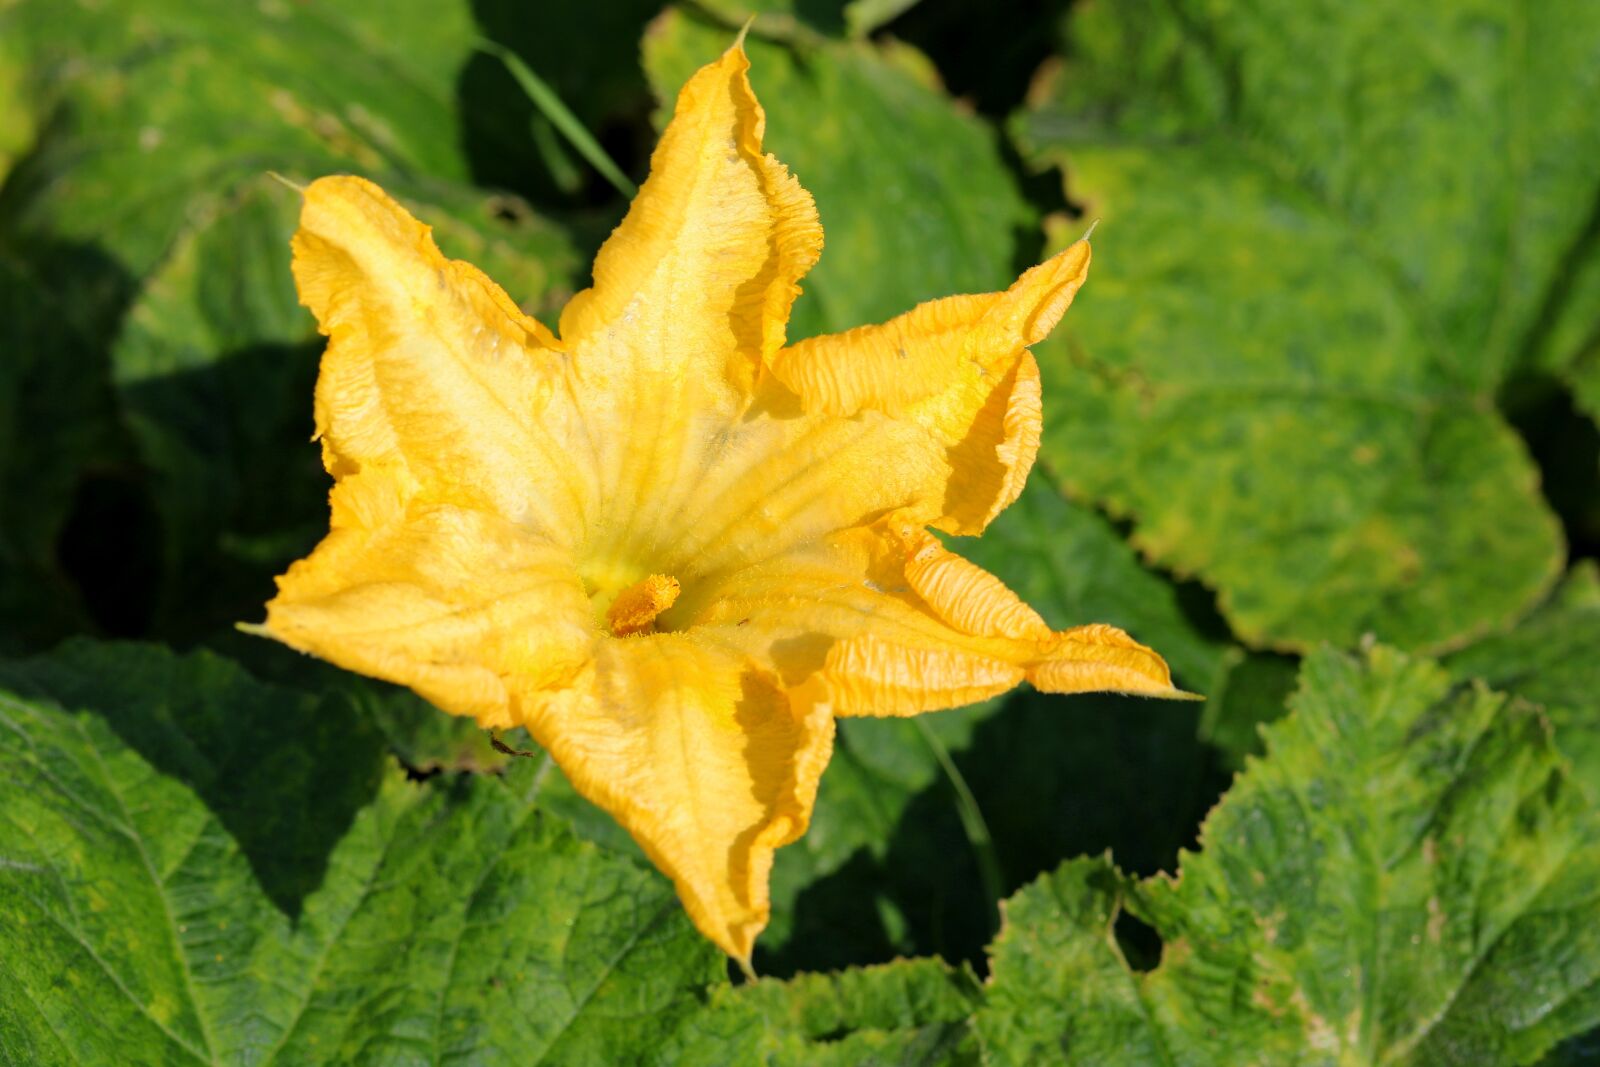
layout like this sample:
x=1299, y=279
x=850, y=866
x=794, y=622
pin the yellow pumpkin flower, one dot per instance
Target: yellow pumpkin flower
x=670, y=545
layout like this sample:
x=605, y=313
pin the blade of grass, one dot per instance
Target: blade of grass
x=561, y=117
x=972, y=822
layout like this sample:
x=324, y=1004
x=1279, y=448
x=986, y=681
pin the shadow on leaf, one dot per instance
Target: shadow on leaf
x=284, y=772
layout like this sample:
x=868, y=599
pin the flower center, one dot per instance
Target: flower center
x=635, y=609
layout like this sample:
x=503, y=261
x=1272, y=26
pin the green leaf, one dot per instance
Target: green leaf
x=150, y=118
x=1406, y=878
x=856, y=888
x=18, y=121
x=452, y=921
x=1330, y=234
x=911, y=1012
x=1580, y=1051
x=914, y=197
x=1550, y=659
x=283, y=773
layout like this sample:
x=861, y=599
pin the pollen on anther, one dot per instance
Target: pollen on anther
x=636, y=607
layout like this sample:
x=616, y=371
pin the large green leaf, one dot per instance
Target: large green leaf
x=1548, y=659
x=1408, y=877
x=1331, y=232
x=915, y=200
x=160, y=105
x=145, y=800
x=18, y=120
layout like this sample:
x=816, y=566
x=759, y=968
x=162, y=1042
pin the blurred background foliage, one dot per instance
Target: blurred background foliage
x=1334, y=381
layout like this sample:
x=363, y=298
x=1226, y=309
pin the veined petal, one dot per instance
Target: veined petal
x=691, y=294
x=871, y=675
x=710, y=255
x=1102, y=659
x=892, y=623
x=450, y=601
x=430, y=367
x=705, y=760
x=957, y=367
x=962, y=593
x=782, y=479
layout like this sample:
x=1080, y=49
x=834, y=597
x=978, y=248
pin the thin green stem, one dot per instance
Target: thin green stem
x=972, y=822
x=561, y=117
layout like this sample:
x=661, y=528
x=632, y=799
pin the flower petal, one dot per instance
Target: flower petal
x=430, y=367
x=706, y=761
x=447, y=600
x=892, y=623
x=691, y=294
x=710, y=255
x=782, y=479
x=957, y=367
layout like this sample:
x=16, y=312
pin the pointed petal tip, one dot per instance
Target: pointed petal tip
x=264, y=630
x=1169, y=693
x=1044, y=292
x=1076, y=256
x=738, y=41
x=254, y=629
x=1102, y=658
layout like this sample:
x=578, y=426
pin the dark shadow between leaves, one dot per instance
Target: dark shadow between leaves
x=237, y=482
x=63, y=453
x=109, y=546
x=1138, y=940
x=589, y=55
x=285, y=772
x=1566, y=446
x=986, y=60
x=840, y=921
x=1055, y=777
x=1580, y=1051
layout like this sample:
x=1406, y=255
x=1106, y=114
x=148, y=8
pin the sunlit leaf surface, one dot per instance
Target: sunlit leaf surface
x=1406, y=877
x=1288, y=384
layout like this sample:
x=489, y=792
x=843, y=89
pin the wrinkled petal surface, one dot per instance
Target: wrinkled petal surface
x=707, y=761
x=960, y=369
x=668, y=544
x=892, y=623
